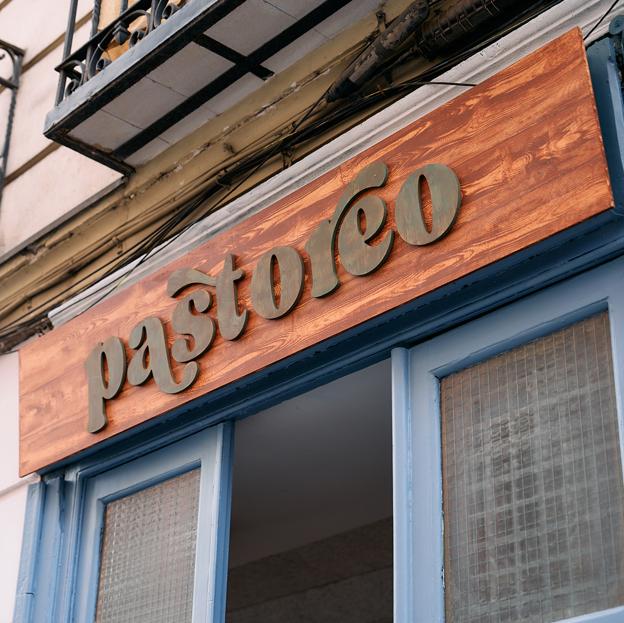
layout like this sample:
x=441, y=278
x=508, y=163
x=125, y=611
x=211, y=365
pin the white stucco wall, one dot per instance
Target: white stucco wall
x=12, y=489
x=12, y=506
x=34, y=24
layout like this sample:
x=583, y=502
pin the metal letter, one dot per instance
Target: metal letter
x=445, y=201
x=321, y=244
x=200, y=327
x=184, y=277
x=290, y=266
x=356, y=255
x=231, y=323
x=152, y=358
x=110, y=355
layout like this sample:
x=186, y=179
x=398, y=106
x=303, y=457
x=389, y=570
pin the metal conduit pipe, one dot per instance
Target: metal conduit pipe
x=441, y=32
x=381, y=49
x=463, y=18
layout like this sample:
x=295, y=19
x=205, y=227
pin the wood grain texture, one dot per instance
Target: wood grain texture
x=527, y=148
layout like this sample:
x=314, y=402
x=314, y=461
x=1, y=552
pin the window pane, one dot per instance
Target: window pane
x=533, y=496
x=148, y=554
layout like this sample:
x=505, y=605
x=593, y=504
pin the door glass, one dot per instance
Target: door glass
x=147, y=560
x=533, y=495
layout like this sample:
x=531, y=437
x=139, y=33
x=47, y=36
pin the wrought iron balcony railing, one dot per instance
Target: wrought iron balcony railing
x=132, y=25
x=162, y=68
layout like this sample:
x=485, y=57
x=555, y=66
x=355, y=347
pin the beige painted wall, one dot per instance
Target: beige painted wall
x=47, y=192
x=45, y=182
x=35, y=99
x=34, y=25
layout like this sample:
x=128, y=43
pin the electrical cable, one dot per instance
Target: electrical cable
x=147, y=245
x=248, y=166
x=160, y=234
x=602, y=18
x=254, y=162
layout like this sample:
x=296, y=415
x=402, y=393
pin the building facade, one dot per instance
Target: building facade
x=311, y=311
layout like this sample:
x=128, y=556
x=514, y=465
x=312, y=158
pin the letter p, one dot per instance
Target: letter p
x=110, y=357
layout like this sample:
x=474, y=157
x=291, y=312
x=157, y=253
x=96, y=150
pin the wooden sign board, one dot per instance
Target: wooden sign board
x=527, y=149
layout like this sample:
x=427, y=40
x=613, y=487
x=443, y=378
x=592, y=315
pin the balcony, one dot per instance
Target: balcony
x=162, y=68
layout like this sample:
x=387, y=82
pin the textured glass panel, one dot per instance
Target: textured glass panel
x=148, y=554
x=533, y=495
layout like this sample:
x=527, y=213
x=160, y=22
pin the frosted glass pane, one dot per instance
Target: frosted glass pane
x=148, y=554
x=533, y=495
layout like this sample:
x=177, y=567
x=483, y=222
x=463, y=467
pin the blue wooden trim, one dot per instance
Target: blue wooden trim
x=410, y=324
x=531, y=317
x=407, y=326
x=527, y=319
x=44, y=565
x=429, y=521
x=75, y=488
x=210, y=450
x=614, y=615
x=498, y=285
x=604, y=70
x=402, y=486
x=417, y=482
x=616, y=322
x=33, y=520
x=211, y=580
x=494, y=342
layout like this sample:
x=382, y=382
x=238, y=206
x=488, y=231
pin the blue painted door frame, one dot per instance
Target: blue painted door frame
x=210, y=452
x=60, y=559
x=418, y=519
x=46, y=565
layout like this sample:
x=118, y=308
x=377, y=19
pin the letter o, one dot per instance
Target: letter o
x=445, y=202
x=290, y=267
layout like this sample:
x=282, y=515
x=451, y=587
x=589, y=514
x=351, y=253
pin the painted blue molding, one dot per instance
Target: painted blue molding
x=54, y=562
x=25, y=594
x=605, y=73
x=40, y=562
x=534, y=316
x=417, y=505
x=402, y=486
x=221, y=514
x=209, y=450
